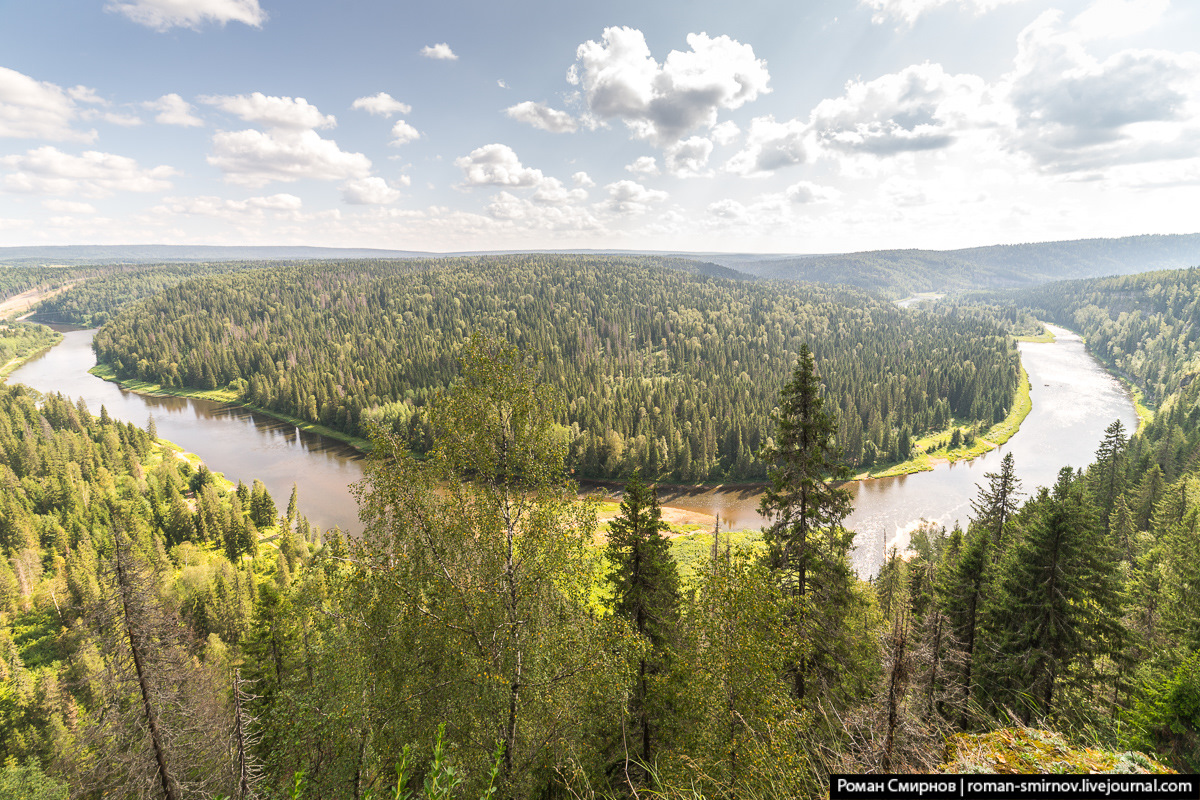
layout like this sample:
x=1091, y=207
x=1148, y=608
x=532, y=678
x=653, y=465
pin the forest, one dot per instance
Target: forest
x=166, y=634
x=668, y=372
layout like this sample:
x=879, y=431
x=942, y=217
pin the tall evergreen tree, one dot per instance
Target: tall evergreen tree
x=1058, y=600
x=645, y=583
x=807, y=547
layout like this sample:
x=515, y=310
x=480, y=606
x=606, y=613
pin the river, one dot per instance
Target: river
x=1074, y=400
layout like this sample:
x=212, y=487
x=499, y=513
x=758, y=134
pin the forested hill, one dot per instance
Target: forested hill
x=670, y=373
x=1146, y=326
x=906, y=271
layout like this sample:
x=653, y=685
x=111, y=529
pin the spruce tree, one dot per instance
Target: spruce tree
x=645, y=583
x=807, y=547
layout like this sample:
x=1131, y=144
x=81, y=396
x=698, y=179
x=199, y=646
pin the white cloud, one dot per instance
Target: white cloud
x=47, y=170
x=440, y=51
x=629, y=197
x=235, y=211
x=806, y=192
x=174, y=110
x=381, y=105
x=770, y=145
x=582, y=179
x=369, y=192
x=500, y=82
x=552, y=192
x=726, y=132
x=285, y=113
x=403, y=133
x=621, y=80
x=537, y=217
x=162, y=15
x=32, y=109
x=69, y=206
x=497, y=165
x=728, y=209
x=124, y=120
x=1075, y=112
x=539, y=115
x=254, y=158
x=689, y=158
x=920, y=107
x=907, y=11
x=643, y=165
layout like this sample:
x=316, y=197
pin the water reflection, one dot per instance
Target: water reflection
x=239, y=443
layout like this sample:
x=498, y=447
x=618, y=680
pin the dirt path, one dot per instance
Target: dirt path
x=27, y=300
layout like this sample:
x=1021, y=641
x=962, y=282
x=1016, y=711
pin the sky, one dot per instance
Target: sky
x=762, y=127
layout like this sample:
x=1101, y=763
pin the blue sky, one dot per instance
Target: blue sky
x=752, y=126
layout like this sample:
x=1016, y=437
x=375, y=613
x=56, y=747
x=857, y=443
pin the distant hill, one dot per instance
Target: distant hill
x=894, y=272
x=997, y=266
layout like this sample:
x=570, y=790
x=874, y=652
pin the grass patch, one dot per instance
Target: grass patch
x=1145, y=414
x=1004, y=430
x=230, y=397
x=1029, y=751
x=1040, y=338
x=693, y=551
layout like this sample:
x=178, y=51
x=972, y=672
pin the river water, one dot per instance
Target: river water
x=1074, y=400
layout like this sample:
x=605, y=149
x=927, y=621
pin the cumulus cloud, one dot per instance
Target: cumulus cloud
x=381, y=105
x=662, y=103
x=1076, y=112
x=162, y=15
x=806, y=192
x=369, y=192
x=725, y=133
x=440, y=51
x=582, y=179
x=539, y=115
x=497, y=165
x=630, y=197
x=533, y=216
x=255, y=158
x=643, y=165
x=552, y=192
x=908, y=11
x=689, y=158
x=770, y=145
x=919, y=108
x=285, y=113
x=403, y=133
x=33, y=109
x=47, y=170
x=174, y=110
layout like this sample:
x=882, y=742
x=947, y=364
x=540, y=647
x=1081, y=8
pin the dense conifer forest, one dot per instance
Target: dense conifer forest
x=667, y=372
x=164, y=634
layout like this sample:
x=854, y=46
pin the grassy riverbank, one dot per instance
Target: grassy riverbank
x=224, y=396
x=933, y=449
